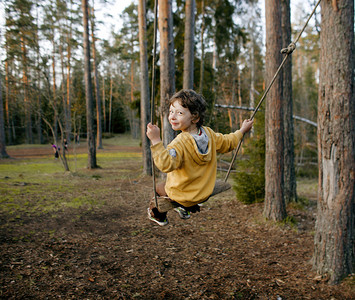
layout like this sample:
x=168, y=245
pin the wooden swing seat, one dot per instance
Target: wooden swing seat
x=165, y=204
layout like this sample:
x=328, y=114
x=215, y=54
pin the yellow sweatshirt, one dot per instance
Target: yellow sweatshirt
x=191, y=175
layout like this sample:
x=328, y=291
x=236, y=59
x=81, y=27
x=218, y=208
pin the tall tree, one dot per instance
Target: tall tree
x=127, y=42
x=167, y=66
x=71, y=36
x=202, y=36
x=334, y=251
x=96, y=82
x=9, y=58
x=38, y=82
x=88, y=91
x=49, y=29
x=3, y=153
x=24, y=29
x=189, y=43
x=289, y=152
x=144, y=80
x=274, y=208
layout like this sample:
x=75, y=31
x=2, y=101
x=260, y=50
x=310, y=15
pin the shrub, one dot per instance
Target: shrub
x=249, y=181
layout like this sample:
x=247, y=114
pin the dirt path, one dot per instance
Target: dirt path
x=227, y=251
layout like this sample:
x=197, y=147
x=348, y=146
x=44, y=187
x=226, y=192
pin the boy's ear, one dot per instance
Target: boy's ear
x=195, y=118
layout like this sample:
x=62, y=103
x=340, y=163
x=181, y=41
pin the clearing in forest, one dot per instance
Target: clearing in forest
x=85, y=234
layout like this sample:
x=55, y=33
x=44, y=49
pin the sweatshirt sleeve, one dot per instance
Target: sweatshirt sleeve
x=166, y=159
x=227, y=142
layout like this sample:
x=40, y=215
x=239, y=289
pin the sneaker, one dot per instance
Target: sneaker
x=159, y=222
x=183, y=213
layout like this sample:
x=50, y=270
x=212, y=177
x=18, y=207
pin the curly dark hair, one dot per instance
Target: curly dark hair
x=193, y=101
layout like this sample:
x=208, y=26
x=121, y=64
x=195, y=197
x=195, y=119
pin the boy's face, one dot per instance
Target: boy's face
x=180, y=118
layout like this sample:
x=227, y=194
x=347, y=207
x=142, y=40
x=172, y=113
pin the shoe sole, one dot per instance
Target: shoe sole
x=182, y=216
x=155, y=220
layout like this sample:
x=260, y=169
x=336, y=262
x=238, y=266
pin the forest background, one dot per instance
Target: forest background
x=43, y=69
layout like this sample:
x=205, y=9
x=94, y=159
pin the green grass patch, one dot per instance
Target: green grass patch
x=26, y=146
x=122, y=140
x=41, y=186
x=29, y=168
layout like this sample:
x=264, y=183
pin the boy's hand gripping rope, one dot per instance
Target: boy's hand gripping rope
x=291, y=47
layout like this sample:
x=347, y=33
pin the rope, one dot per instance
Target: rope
x=153, y=92
x=288, y=51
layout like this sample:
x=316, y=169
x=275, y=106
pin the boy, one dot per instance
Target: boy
x=190, y=160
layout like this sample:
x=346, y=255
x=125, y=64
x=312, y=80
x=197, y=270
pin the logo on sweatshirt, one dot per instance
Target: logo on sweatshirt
x=172, y=152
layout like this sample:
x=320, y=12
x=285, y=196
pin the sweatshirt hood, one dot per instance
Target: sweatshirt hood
x=196, y=155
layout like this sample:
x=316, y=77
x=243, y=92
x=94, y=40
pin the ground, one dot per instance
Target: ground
x=227, y=251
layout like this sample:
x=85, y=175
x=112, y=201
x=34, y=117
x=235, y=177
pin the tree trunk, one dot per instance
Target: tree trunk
x=55, y=122
x=38, y=82
x=240, y=114
x=97, y=85
x=7, y=101
x=64, y=98
x=189, y=42
x=132, y=114
x=274, y=208
x=3, y=153
x=26, y=98
x=289, y=162
x=110, y=106
x=167, y=66
x=334, y=249
x=88, y=91
x=68, y=103
x=103, y=104
x=68, y=121
x=202, y=67
x=144, y=81
x=252, y=74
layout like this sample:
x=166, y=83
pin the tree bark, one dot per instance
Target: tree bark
x=103, y=104
x=167, y=67
x=188, y=82
x=334, y=249
x=54, y=89
x=88, y=91
x=26, y=98
x=202, y=67
x=63, y=95
x=68, y=122
x=252, y=73
x=68, y=125
x=110, y=105
x=134, y=122
x=7, y=99
x=289, y=162
x=96, y=84
x=274, y=208
x=3, y=153
x=38, y=115
x=144, y=81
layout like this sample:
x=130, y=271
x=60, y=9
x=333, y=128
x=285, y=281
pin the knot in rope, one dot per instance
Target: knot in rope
x=291, y=47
